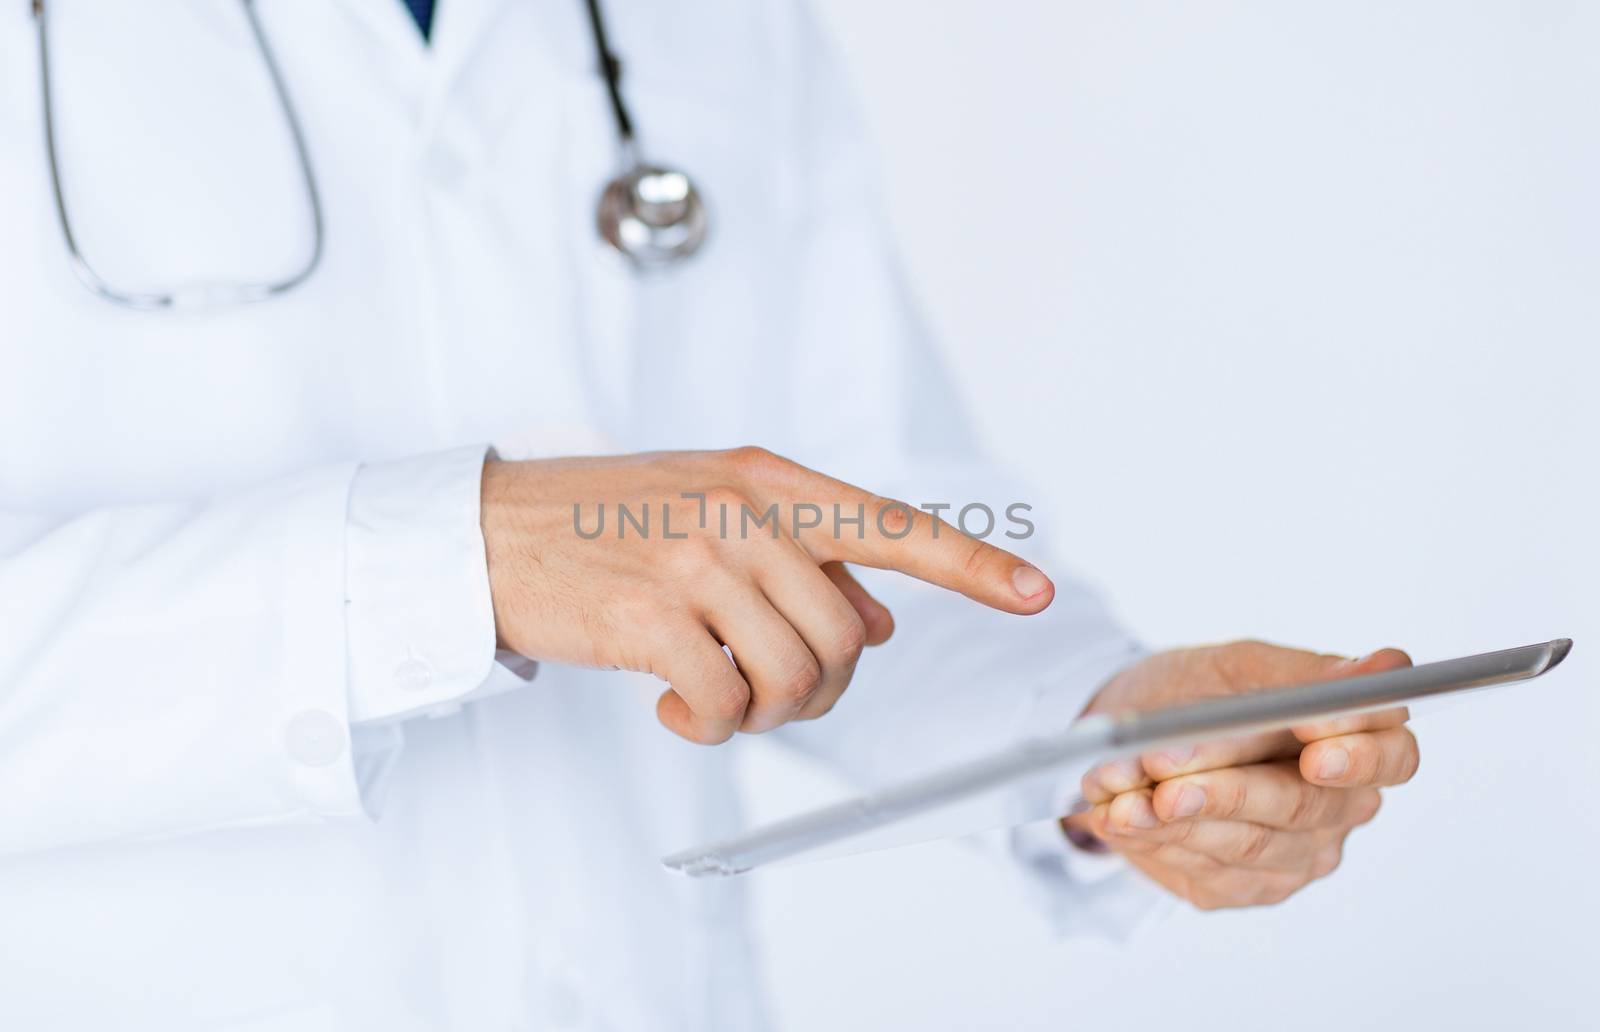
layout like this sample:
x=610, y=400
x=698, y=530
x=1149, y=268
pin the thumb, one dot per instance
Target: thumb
x=1376, y=662
x=1372, y=663
x=1252, y=666
x=1249, y=666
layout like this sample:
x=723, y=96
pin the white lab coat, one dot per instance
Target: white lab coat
x=259, y=766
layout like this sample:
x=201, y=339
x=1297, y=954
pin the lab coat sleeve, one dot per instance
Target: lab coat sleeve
x=168, y=668
x=419, y=614
x=870, y=401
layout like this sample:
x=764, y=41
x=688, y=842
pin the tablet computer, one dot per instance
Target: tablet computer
x=1104, y=736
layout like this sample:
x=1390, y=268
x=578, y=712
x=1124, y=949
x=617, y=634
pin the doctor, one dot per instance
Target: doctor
x=317, y=714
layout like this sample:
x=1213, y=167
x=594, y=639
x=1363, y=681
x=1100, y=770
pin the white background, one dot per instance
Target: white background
x=1292, y=311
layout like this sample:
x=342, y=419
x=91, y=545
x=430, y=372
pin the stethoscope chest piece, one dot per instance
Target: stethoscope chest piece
x=654, y=216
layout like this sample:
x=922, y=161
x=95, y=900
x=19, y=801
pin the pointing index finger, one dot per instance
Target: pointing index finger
x=891, y=535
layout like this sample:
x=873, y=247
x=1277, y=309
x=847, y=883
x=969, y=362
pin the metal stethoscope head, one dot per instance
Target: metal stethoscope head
x=652, y=214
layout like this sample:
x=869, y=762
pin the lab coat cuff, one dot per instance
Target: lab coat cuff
x=1055, y=703
x=312, y=711
x=419, y=615
x=1061, y=698
x=1080, y=889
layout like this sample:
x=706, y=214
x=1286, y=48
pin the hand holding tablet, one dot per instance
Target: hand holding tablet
x=1247, y=819
x=1104, y=736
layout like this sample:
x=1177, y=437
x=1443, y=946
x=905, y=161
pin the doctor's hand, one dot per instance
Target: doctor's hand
x=1250, y=820
x=741, y=549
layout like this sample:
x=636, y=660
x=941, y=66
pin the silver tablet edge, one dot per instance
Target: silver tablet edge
x=1102, y=735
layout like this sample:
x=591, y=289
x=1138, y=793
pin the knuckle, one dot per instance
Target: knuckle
x=683, y=515
x=1233, y=799
x=1410, y=759
x=849, y=638
x=1228, y=664
x=977, y=558
x=800, y=679
x=1253, y=844
x=1239, y=656
x=753, y=461
x=1272, y=891
x=1367, y=805
x=727, y=701
x=1326, y=861
x=723, y=499
x=894, y=518
x=1216, y=662
x=1305, y=805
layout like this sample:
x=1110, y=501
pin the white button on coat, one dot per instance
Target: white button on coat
x=316, y=738
x=239, y=549
x=413, y=675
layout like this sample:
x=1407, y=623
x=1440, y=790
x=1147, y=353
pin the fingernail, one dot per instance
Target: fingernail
x=1177, y=757
x=1143, y=816
x=1191, y=800
x=1121, y=775
x=1334, y=763
x=1028, y=581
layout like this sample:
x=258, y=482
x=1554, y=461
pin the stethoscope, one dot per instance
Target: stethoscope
x=650, y=214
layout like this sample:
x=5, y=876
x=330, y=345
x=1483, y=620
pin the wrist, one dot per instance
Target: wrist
x=494, y=522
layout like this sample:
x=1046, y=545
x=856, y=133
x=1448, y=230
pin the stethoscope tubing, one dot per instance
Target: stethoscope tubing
x=206, y=294
x=624, y=220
